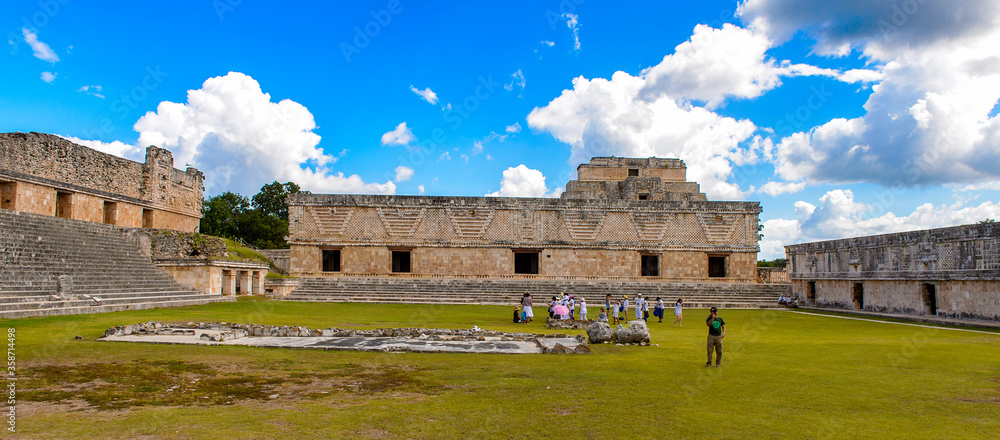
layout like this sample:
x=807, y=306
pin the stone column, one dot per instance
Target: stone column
x=246, y=286
x=228, y=283
x=258, y=282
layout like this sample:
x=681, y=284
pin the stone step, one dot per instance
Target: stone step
x=112, y=308
x=101, y=260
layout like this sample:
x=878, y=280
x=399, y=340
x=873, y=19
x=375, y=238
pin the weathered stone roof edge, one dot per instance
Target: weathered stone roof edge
x=512, y=202
x=976, y=231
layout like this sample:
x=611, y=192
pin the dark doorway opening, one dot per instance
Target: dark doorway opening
x=650, y=266
x=401, y=261
x=633, y=172
x=147, y=218
x=643, y=196
x=8, y=195
x=64, y=205
x=811, y=292
x=110, y=212
x=717, y=267
x=526, y=262
x=858, y=296
x=929, y=295
x=331, y=260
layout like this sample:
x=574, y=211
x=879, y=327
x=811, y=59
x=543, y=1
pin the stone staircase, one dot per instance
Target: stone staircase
x=56, y=266
x=509, y=292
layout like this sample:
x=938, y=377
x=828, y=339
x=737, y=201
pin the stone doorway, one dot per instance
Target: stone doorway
x=811, y=292
x=526, y=263
x=64, y=204
x=331, y=260
x=650, y=266
x=928, y=293
x=110, y=213
x=147, y=218
x=716, y=267
x=858, y=296
x=401, y=261
x=8, y=195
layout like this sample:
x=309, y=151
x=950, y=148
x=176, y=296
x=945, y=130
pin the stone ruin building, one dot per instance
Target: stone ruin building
x=48, y=175
x=949, y=272
x=70, y=237
x=623, y=220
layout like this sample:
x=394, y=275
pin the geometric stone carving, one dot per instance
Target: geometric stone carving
x=583, y=224
x=652, y=225
x=401, y=222
x=718, y=227
x=332, y=221
x=470, y=223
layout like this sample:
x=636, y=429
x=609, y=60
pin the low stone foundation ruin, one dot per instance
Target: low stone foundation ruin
x=567, y=324
x=386, y=340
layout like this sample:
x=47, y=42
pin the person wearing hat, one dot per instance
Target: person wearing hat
x=624, y=307
x=716, y=331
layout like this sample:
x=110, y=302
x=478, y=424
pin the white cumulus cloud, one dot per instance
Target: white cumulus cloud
x=48, y=77
x=41, y=50
x=521, y=181
x=92, y=91
x=839, y=215
x=425, y=94
x=233, y=132
x=403, y=174
x=401, y=135
x=778, y=188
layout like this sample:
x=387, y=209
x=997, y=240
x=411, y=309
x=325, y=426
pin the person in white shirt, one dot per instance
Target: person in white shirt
x=624, y=307
x=677, y=313
x=645, y=310
x=638, y=306
x=571, y=305
x=583, y=309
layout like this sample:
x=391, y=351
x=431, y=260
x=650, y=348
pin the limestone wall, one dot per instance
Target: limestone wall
x=961, y=264
x=445, y=261
x=953, y=299
x=34, y=167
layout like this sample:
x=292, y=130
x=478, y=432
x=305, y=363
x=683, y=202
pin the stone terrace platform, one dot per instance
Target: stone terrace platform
x=56, y=266
x=510, y=291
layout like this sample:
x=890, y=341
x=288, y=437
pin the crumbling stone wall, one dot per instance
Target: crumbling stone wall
x=893, y=272
x=37, y=169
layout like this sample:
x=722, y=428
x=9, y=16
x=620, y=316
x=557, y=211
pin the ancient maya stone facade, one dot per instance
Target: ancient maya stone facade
x=46, y=174
x=949, y=272
x=626, y=219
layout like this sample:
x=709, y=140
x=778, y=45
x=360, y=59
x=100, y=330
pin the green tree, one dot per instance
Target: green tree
x=987, y=221
x=220, y=214
x=271, y=198
x=777, y=262
x=261, y=221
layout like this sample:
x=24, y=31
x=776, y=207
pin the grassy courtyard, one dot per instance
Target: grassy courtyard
x=784, y=375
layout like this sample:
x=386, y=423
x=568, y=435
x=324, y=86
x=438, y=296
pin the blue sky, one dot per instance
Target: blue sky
x=842, y=118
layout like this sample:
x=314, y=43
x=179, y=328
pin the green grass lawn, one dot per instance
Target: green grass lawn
x=784, y=375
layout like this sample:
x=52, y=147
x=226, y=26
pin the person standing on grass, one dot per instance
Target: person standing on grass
x=645, y=310
x=571, y=304
x=526, y=306
x=658, y=311
x=615, y=310
x=716, y=331
x=583, y=309
x=608, y=303
x=677, y=313
x=638, y=306
x=624, y=307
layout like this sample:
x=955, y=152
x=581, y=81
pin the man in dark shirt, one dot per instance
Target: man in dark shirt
x=716, y=331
